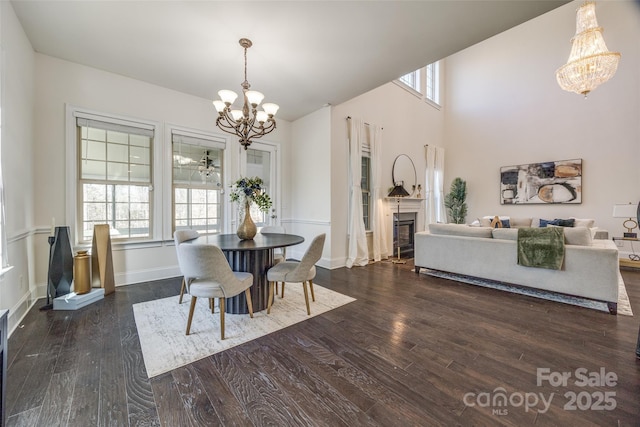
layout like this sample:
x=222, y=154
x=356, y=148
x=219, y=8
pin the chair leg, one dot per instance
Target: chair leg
x=212, y=305
x=282, y=295
x=247, y=294
x=313, y=297
x=193, y=306
x=306, y=297
x=276, y=288
x=270, y=299
x=221, y=318
x=184, y=285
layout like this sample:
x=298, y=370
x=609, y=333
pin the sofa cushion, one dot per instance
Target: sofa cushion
x=505, y=233
x=459, y=230
x=520, y=222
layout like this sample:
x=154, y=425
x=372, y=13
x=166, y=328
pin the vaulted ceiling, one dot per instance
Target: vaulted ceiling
x=306, y=53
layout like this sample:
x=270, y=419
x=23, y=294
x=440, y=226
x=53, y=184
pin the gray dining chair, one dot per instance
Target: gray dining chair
x=293, y=271
x=208, y=275
x=180, y=236
x=279, y=254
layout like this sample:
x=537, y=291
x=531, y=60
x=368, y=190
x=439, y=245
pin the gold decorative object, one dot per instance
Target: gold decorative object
x=590, y=63
x=247, y=230
x=82, y=273
x=239, y=122
x=101, y=259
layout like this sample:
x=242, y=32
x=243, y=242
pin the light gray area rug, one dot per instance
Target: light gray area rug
x=624, y=306
x=162, y=324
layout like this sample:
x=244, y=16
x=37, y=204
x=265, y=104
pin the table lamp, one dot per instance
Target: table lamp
x=628, y=211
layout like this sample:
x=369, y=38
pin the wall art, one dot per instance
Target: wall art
x=547, y=182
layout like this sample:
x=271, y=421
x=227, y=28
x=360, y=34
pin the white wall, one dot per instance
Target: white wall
x=309, y=182
x=408, y=122
x=18, y=157
x=504, y=107
x=60, y=82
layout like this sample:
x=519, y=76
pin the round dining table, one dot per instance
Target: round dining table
x=254, y=256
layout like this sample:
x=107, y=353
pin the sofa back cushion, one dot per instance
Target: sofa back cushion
x=460, y=230
x=505, y=233
x=580, y=236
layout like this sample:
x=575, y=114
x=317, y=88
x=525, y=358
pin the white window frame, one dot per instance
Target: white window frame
x=72, y=199
x=420, y=90
x=212, y=141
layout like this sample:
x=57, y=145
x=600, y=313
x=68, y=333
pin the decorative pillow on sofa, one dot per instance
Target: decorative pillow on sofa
x=486, y=221
x=498, y=222
x=558, y=222
x=589, y=223
x=459, y=230
x=580, y=236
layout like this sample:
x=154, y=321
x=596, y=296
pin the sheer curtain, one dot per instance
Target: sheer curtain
x=435, y=210
x=378, y=219
x=358, y=253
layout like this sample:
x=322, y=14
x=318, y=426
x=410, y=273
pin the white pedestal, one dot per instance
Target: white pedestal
x=74, y=301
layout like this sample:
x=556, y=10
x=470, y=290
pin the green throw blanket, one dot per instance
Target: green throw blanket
x=541, y=247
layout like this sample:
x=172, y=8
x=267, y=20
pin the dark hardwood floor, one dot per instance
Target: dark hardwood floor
x=412, y=350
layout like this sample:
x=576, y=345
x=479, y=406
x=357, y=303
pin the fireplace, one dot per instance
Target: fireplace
x=404, y=228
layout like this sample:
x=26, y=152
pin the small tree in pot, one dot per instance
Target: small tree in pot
x=455, y=201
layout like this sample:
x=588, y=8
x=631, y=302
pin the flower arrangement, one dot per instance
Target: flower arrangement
x=249, y=190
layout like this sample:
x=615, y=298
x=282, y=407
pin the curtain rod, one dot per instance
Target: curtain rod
x=349, y=118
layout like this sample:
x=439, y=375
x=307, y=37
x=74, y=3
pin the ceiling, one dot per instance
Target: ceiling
x=305, y=54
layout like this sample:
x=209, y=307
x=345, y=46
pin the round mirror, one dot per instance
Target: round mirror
x=404, y=172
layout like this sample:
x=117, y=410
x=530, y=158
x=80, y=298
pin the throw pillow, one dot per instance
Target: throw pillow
x=545, y=222
x=498, y=222
x=566, y=222
x=589, y=223
x=578, y=236
x=520, y=222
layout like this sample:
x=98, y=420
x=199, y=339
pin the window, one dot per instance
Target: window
x=114, y=178
x=432, y=92
x=412, y=80
x=424, y=82
x=197, y=183
x=365, y=185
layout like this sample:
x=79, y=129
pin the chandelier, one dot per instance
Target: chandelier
x=206, y=168
x=590, y=63
x=249, y=123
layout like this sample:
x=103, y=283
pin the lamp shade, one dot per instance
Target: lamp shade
x=398, y=191
x=624, y=211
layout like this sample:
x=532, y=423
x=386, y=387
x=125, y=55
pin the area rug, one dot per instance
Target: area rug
x=162, y=323
x=624, y=306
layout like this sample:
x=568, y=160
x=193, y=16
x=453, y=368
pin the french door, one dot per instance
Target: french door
x=262, y=159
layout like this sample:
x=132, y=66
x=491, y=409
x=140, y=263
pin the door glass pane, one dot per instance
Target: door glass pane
x=259, y=164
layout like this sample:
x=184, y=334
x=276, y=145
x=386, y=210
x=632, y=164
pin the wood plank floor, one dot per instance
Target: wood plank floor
x=412, y=350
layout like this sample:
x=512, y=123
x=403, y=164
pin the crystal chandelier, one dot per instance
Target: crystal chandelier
x=240, y=122
x=206, y=167
x=590, y=63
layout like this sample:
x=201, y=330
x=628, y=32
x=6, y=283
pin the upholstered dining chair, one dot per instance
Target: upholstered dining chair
x=294, y=271
x=279, y=254
x=180, y=236
x=209, y=275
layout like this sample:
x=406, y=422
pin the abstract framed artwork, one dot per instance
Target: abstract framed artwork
x=542, y=183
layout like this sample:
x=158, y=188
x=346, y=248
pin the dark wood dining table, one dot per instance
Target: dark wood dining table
x=253, y=256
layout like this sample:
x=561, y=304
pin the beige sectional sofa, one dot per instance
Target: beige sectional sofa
x=590, y=268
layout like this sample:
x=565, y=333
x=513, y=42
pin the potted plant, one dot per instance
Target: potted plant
x=455, y=201
x=248, y=191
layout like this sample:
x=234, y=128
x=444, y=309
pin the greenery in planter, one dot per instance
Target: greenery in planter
x=455, y=201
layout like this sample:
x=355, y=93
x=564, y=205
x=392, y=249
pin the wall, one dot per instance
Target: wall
x=504, y=107
x=60, y=82
x=408, y=124
x=310, y=192
x=18, y=155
